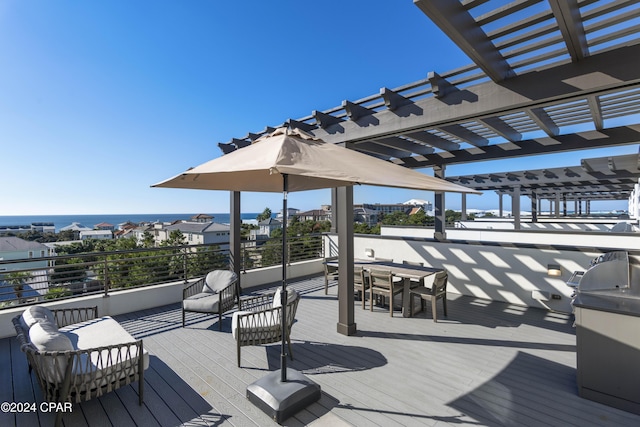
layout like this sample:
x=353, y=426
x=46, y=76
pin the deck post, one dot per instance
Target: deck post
x=344, y=213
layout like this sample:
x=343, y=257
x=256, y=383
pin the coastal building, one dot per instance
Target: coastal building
x=314, y=215
x=12, y=247
x=201, y=218
x=365, y=215
x=96, y=234
x=75, y=226
x=41, y=227
x=291, y=212
x=104, y=226
x=195, y=233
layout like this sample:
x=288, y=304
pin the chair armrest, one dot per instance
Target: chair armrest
x=257, y=303
x=193, y=288
x=228, y=296
x=91, y=371
x=69, y=316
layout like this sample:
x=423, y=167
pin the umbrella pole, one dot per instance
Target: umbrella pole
x=283, y=294
x=276, y=396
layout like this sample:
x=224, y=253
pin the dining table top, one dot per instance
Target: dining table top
x=409, y=271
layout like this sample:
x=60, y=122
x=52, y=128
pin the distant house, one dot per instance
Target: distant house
x=14, y=248
x=266, y=227
x=415, y=210
x=314, y=215
x=365, y=216
x=96, y=234
x=201, y=218
x=196, y=233
x=75, y=226
x=42, y=227
x=104, y=226
x=125, y=230
x=290, y=213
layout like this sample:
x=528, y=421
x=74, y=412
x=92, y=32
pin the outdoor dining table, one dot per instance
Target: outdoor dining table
x=404, y=271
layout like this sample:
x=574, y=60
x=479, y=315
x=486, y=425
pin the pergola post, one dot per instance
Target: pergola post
x=344, y=211
x=463, y=215
x=500, y=205
x=440, y=219
x=534, y=206
x=515, y=207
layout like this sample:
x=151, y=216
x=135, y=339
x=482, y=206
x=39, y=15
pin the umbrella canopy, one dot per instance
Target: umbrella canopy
x=311, y=164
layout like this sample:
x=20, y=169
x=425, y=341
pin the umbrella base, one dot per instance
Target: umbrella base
x=280, y=400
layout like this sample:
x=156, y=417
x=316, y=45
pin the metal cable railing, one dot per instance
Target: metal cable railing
x=31, y=280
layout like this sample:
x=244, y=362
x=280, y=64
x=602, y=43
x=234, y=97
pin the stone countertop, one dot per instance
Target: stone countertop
x=622, y=301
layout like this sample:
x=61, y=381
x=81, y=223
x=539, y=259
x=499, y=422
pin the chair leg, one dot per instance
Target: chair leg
x=220, y=322
x=391, y=304
x=326, y=285
x=444, y=305
x=238, y=351
x=433, y=309
x=183, y=317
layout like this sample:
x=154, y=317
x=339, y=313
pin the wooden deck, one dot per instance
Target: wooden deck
x=489, y=363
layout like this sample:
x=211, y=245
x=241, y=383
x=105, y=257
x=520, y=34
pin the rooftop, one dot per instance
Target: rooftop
x=488, y=363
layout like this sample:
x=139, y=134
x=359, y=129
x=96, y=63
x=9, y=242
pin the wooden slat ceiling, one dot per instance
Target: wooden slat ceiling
x=603, y=178
x=547, y=76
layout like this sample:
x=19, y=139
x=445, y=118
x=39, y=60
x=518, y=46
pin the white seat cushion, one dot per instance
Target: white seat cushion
x=100, y=332
x=203, y=302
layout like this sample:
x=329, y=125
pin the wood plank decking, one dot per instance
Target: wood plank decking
x=488, y=363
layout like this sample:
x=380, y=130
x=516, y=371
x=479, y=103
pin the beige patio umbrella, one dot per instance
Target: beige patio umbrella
x=291, y=160
x=310, y=163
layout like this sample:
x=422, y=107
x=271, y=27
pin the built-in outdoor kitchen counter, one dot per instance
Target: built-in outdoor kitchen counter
x=607, y=314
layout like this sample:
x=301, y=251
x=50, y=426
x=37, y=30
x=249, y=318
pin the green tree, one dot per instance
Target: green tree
x=176, y=238
x=395, y=218
x=266, y=214
x=148, y=240
x=18, y=279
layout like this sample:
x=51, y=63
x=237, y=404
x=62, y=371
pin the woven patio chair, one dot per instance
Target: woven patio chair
x=259, y=320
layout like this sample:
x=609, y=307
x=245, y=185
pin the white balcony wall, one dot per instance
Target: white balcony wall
x=130, y=300
x=509, y=271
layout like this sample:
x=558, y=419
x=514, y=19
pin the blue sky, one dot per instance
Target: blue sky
x=99, y=100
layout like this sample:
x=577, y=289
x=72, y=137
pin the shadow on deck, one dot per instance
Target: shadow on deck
x=488, y=363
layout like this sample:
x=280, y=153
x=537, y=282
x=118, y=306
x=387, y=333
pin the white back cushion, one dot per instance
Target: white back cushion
x=36, y=314
x=217, y=280
x=46, y=337
x=291, y=296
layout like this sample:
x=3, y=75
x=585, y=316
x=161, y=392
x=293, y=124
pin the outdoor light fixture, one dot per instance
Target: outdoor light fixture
x=368, y=252
x=554, y=270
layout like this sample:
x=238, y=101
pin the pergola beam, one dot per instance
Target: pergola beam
x=458, y=24
x=608, y=72
x=567, y=15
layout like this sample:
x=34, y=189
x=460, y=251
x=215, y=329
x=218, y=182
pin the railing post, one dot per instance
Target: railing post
x=106, y=277
x=184, y=261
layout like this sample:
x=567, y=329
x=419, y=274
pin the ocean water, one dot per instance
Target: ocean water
x=90, y=221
